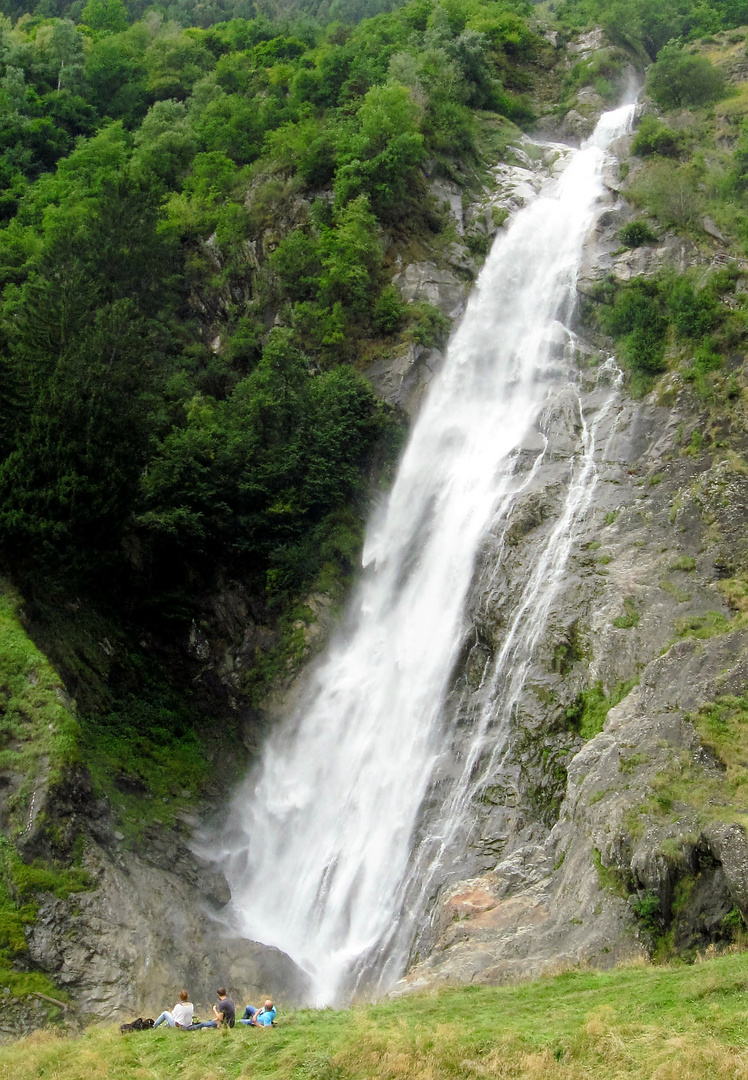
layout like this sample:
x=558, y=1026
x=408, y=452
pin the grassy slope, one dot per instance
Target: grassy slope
x=38, y=733
x=39, y=740
x=661, y=1023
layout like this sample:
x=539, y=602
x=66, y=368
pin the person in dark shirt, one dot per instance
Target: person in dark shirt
x=224, y=1011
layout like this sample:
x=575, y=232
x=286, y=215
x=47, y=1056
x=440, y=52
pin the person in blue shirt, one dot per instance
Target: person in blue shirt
x=263, y=1017
x=266, y=1015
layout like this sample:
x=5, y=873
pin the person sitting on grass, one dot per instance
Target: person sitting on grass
x=223, y=1010
x=263, y=1017
x=249, y=1015
x=180, y=1016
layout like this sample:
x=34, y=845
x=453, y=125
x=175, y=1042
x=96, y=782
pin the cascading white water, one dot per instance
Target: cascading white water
x=320, y=852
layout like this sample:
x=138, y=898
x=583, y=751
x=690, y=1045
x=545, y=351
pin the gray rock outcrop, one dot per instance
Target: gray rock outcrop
x=127, y=947
x=589, y=852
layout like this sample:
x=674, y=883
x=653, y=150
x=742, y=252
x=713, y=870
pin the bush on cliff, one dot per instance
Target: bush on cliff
x=679, y=79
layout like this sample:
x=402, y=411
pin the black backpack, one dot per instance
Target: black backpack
x=137, y=1025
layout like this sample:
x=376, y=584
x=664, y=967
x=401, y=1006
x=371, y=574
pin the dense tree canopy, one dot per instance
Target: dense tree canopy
x=191, y=256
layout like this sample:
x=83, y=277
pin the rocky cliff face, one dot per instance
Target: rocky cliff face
x=590, y=835
x=148, y=926
x=588, y=845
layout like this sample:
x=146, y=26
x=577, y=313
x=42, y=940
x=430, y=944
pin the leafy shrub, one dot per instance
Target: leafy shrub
x=694, y=313
x=648, y=912
x=388, y=312
x=587, y=714
x=704, y=360
x=479, y=243
x=653, y=137
x=670, y=193
x=428, y=326
x=297, y=263
x=499, y=214
x=636, y=316
x=636, y=234
x=679, y=79
x=380, y=152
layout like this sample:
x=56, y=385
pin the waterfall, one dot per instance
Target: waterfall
x=327, y=853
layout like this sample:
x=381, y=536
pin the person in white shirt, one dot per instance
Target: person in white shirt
x=180, y=1016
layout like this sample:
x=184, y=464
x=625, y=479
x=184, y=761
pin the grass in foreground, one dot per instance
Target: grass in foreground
x=658, y=1023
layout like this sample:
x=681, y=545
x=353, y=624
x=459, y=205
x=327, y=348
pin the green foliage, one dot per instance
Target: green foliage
x=693, y=313
x=679, y=79
x=388, y=312
x=630, y=617
x=193, y=226
x=636, y=317
x=646, y=26
x=380, y=152
x=108, y=16
x=428, y=325
x=654, y=137
x=37, y=731
x=601, y=70
x=671, y=194
x=39, y=743
x=636, y=234
x=147, y=758
x=648, y=911
x=231, y=178
x=587, y=715
x=705, y=359
x=642, y=313
x=251, y=476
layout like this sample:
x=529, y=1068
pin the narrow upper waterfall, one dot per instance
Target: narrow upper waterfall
x=327, y=855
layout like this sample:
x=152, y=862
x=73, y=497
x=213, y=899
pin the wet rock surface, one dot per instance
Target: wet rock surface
x=565, y=885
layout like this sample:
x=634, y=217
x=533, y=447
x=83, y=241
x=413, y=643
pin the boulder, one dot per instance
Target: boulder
x=437, y=285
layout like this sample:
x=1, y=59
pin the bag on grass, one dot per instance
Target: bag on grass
x=137, y=1025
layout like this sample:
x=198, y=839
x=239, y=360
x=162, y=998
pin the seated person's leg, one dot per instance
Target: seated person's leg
x=249, y=1014
x=165, y=1018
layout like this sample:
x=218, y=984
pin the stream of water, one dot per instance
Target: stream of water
x=324, y=854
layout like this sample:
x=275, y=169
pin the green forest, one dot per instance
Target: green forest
x=192, y=261
x=194, y=258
